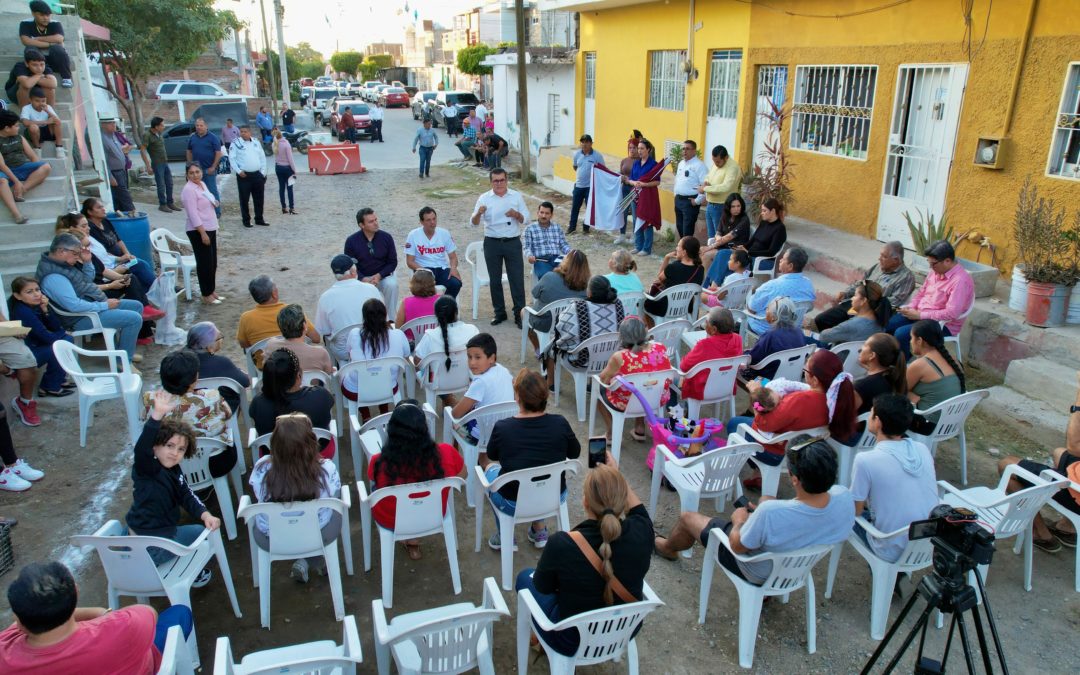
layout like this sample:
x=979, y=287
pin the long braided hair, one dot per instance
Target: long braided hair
x=606, y=494
x=446, y=313
x=930, y=332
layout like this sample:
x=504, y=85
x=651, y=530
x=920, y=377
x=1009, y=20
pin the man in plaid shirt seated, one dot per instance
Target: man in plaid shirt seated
x=544, y=242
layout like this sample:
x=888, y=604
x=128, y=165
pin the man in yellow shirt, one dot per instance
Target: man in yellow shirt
x=723, y=179
x=260, y=322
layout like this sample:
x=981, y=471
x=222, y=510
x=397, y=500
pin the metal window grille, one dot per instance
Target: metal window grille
x=724, y=83
x=590, y=75
x=1065, y=147
x=667, y=81
x=833, y=108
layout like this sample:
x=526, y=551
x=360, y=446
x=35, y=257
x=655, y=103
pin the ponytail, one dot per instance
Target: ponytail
x=930, y=332
x=891, y=357
x=606, y=494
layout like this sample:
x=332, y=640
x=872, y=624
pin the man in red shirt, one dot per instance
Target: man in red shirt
x=347, y=127
x=52, y=635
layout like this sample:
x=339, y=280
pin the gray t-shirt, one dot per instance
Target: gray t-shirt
x=898, y=482
x=780, y=525
x=549, y=289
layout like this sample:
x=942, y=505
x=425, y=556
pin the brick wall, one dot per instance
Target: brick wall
x=209, y=67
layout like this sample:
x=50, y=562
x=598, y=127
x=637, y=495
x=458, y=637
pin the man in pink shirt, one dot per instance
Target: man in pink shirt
x=946, y=295
x=52, y=635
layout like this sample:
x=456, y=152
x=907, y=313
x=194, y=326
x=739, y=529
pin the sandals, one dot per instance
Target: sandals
x=45, y=393
x=412, y=550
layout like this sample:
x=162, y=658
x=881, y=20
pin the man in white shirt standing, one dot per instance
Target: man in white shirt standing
x=690, y=174
x=450, y=117
x=341, y=305
x=249, y=164
x=481, y=112
x=502, y=211
x=41, y=121
x=431, y=247
x=375, y=113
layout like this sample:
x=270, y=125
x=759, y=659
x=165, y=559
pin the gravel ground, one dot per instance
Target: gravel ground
x=85, y=486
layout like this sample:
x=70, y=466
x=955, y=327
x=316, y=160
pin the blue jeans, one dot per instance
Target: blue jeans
x=126, y=319
x=718, y=270
x=643, y=239
x=502, y=503
x=443, y=278
x=580, y=196
x=899, y=326
x=143, y=271
x=23, y=171
x=425, y=160
x=564, y=642
x=466, y=148
x=289, y=128
x=54, y=372
x=211, y=184
x=177, y=615
x=712, y=218
x=163, y=180
x=184, y=535
x=541, y=267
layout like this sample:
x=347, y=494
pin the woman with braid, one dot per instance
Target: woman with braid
x=450, y=331
x=601, y=562
x=933, y=375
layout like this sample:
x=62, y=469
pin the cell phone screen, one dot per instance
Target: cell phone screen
x=597, y=451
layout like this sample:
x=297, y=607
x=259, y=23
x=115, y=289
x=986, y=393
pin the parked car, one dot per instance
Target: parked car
x=354, y=89
x=422, y=100
x=411, y=91
x=324, y=81
x=361, y=117
x=306, y=81
x=376, y=93
x=464, y=100
x=394, y=97
x=319, y=102
x=190, y=90
x=176, y=136
x=306, y=94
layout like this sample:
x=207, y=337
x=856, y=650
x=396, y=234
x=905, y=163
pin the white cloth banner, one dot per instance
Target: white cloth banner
x=603, y=211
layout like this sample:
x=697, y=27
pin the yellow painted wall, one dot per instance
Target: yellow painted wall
x=843, y=193
x=622, y=39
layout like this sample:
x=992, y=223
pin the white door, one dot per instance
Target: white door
x=723, y=101
x=922, y=137
x=590, y=93
x=771, y=87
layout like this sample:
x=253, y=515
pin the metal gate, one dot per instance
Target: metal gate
x=771, y=86
x=590, y=93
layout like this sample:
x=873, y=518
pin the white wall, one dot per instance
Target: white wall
x=542, y=81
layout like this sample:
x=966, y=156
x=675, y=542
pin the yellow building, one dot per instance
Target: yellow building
x=896, y=106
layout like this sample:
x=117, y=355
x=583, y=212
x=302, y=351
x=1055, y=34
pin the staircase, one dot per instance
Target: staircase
x=21, y=245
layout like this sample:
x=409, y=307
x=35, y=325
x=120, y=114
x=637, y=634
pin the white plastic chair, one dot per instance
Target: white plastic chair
x=108, y=335
x=323, y=656
x=791, y=570
x=129, y=570
x=600, y=348
x=552, y=309
x=175, y=658
x=197, y=474
x=538, y=497
x=917, y=555
x=378, y=425
x=474, y=257
x=770, y=475
x=720, y=386
x=682, y=301
x=375, y=384
x=710, y=475
x=632, y=302
x=317, y=378
x=234, y=419
x=1073, y=518
x=102, y=386
x=330, y=340
x=955, y=339
x=418, y=513
x=169, y=259
x=454, y=430
x=849, y=354
x=450, y=639
x=607, y=634
x=670, y=335
x=789, y=362
x=249, y=360
x=257, y=443
x=953, y=414
x=845, y=454
x=294, y=533
x=436, y=380
x=1007, y=515
x=417, y=327
x=735, y=292
x=651, y=386
x=758, y=269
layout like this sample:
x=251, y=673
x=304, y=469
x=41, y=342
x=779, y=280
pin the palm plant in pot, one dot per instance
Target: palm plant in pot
x=771, y=176
x=1050, y=251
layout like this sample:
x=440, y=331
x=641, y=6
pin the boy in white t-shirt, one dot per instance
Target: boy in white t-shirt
x=41, y=121
x=491, y=383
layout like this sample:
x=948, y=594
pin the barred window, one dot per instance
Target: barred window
x=724, y=83
x=832, y=109
x=667, y=81
x=1065, y=146
x=590, y=74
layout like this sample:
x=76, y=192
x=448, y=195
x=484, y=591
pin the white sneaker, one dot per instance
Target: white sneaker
x=61, y=153
x=26, y=472
x=11, y=482
x=67, y=84
x=621, y=239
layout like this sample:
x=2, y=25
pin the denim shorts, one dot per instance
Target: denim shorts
x=23, y=171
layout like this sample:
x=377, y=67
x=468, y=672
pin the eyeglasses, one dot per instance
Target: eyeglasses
x=498, y=180
x=371, y=248
x=76, y=251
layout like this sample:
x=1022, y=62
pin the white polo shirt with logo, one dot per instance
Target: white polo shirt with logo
x=431, y=253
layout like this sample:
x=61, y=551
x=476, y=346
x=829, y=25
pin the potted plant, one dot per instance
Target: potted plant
x=675, y=156
x=1050, y=252
x=771, y=177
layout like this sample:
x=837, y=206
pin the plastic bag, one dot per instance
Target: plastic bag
x=163, y=296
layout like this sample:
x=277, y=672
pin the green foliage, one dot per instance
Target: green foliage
x=1049, y=249
x=927, y=231
x=310, y=69
x=675, y=156
x=380, y=60
x=346, y=62
x=291, y=64
x=304, y=53
x=469, y=58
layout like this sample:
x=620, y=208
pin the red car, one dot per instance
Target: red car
x=395, y=97
x=361, y=118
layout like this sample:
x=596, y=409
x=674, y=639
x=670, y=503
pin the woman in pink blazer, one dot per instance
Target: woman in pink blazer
x=202, y=226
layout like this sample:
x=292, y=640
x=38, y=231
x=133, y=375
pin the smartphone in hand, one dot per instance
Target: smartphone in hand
x=743, y=503
x=597, y=451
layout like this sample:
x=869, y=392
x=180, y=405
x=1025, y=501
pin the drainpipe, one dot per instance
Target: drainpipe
x=1015, y=89
x=690, y=61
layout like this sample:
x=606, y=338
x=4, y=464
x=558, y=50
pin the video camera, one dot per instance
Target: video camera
x=959, y=541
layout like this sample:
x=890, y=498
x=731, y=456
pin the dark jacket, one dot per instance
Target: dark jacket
x=45, y=329
x=767, y=240
x=159, y=492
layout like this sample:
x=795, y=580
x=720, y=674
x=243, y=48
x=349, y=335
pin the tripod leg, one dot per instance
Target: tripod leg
x=983, y=646
x=888, y=636
x=965, y=643
x=948, y=640
x=919, y=625
x=993, y=625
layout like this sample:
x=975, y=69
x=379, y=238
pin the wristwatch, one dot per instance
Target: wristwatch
x=1074, y=409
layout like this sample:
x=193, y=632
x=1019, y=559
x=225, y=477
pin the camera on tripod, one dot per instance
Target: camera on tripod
x=960, y=543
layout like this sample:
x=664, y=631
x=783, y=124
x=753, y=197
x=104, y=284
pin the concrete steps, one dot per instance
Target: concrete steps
x=1034, y=418
x=1043, y=380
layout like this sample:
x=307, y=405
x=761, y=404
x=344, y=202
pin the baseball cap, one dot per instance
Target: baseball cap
x=341, y=263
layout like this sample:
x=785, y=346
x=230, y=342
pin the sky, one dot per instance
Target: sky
x=343, y=25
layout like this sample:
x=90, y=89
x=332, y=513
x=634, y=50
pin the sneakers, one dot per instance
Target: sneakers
x=66, y=83
x=27, y=412
x=61, y=153
x=11, y=482
x=495, y=543
x=151, y=313
x=537, y=537
x=1051, y=545
x=300, y=571
x=204, y=578
x=23, y=470
x=164, y=208
x=621, y=239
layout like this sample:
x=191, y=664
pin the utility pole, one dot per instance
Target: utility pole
x=279, y=14
x=523, y=94
x=269, y=66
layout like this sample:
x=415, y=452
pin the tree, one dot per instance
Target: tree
x=311, y=69
x=469, y=58
x=291, y=63
x=150, y=37
x=304, y=52
x=369, y=69
x=346, y=62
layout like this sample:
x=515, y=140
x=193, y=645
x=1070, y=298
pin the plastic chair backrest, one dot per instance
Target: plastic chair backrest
x=721, y=466
x=791, y=568
x=790, y=362
x=317, y=378
x=159, y=239
x=440, y=380
x=486, y=416
x=376, y=379
x=722, y=375
x=68, y=355
x=605, y=633
x=379, y=422
x=417, y=506
x=737, y=291
x=250, y=352
x=1020, y=508
x=917, y=554
x=415, y=329
x=322, y=656
x=539, y=488
x=849, y=354
x=600, y=347
x=127, y=563
x=197, y=467
x=553, y=309
x=293, y=527
x=953, y=413
x=681, y=301
x=632, y=302
x=219, y=382
x=474, y=254
x=648, y=389
x=670, y=334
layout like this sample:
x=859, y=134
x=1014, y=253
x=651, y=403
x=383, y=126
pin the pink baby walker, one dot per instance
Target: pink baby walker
x=682, y=436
